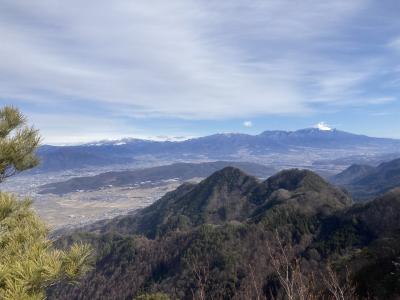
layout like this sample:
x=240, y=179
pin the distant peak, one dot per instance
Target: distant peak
x=228, y=175
x=323, y=126
x=229, y=170
x=292, y=179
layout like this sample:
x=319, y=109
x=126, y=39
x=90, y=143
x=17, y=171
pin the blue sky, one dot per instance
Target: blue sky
x=90, y=70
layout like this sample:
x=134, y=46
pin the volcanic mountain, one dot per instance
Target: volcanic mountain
x=232, y=146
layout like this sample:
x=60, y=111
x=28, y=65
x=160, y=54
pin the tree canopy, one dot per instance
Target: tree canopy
x=18, y=143
x=28, y=261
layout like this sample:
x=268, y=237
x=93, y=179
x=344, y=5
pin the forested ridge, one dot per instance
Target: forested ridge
x=229, y=236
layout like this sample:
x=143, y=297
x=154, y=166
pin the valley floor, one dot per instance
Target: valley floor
x=81, y=208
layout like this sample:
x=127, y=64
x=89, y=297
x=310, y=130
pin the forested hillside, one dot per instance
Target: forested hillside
x=229, y=237
x=365, y=182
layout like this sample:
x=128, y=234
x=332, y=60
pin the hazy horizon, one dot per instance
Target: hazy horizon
x=162, y=138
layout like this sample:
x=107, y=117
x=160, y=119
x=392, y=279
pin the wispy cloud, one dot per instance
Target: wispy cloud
x=247, y=124
x=382, y=100
x=189, y=59
x=394, y=44
x=381, y=114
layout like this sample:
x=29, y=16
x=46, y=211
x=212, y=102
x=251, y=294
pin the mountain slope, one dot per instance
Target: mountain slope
x=365, y=182
x=226, y=195
x=232, y=195
x=381, y=216
x=306, y=192
x=352, y=173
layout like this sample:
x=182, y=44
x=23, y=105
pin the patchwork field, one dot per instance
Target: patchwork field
x=75, y=209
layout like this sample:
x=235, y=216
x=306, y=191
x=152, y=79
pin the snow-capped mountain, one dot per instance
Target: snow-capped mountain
x=234, y=146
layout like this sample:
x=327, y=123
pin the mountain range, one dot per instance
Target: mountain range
x=233, y=146
x=365, y=182
x=216, y=239
x=150, y=176
x=232, y=195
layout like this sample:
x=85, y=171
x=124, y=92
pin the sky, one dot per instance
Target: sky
x=92, y=70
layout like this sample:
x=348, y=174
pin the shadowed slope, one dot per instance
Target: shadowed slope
x=365, y=182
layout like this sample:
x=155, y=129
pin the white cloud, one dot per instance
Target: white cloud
x=322, y=126
x=247, y=124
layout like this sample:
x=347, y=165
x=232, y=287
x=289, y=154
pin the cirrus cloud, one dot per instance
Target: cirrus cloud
x=193, y=60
